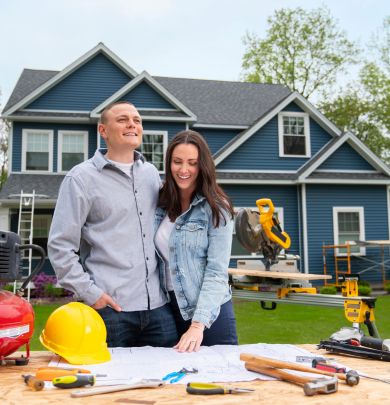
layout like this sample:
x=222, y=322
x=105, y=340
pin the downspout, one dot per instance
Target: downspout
x=304, y=223
x=299, y=226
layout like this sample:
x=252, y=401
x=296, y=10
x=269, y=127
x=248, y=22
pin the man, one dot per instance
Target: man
x=105, y=210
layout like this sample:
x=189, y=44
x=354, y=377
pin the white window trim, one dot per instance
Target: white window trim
x=360, y=210
x=59, y=152
x=25, y=133
x=281, y=132
x=280, y=212
x=165, y=143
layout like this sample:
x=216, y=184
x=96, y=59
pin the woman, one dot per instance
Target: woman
x=194, y=223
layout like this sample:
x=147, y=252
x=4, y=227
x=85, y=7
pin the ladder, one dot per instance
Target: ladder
x=26, y=229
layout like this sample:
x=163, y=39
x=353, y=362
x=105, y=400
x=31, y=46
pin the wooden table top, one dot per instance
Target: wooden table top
x=14, y=391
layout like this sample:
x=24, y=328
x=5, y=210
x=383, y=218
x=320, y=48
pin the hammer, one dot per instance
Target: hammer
x=310, y=386
x=351, y=378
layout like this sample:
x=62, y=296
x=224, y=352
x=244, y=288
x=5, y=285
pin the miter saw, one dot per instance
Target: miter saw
x=260, y=231
x=254, y=280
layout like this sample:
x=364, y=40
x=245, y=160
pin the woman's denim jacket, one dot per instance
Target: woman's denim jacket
x=199, y=257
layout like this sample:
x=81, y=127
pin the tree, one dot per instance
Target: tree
x=4, y=129
x=364, y=107
x=304, y=50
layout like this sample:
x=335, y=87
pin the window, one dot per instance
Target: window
x=154, y=144
x=348, y=225
x=294, y=136
x=72, y=149
x=37, y=150
x=238, y=251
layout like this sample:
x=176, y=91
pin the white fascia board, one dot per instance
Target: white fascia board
x=70, y=120
x=301, y=101
x=67, y=71
x=153, y=83
x=254, y=171
x=346, y=181
x=158, y=118
x=254, y=181
x=218, y=126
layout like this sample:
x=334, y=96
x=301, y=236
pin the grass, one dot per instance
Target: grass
x=288, y=323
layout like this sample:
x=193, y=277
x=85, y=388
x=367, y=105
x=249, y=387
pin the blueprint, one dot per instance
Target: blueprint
x=214, y=363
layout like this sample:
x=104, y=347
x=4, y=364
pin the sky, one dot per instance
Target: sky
x=200, y=39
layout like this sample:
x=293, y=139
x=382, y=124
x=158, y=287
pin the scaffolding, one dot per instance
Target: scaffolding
x=381, y=263
x=338, y=259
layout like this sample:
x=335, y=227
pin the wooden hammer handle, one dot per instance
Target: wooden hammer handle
x=277, y=373
x=266, y=361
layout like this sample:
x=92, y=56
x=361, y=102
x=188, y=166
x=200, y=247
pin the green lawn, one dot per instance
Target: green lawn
x=288, y=323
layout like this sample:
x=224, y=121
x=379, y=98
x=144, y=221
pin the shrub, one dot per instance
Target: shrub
x=328, y=290
x=364, y=290
x=8, y=287
x=363, y=283
x=387, y=287
x=53, y=291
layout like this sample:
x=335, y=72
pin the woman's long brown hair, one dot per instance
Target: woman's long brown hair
x=206, y=184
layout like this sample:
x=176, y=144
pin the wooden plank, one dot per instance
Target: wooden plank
x=14, y=391
x=278, y=274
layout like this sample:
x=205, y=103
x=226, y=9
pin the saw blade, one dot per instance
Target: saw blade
x=248, y=229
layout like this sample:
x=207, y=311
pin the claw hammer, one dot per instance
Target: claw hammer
x=351, y=378
x=310, y=386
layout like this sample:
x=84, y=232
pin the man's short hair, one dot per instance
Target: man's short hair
x=103, y=115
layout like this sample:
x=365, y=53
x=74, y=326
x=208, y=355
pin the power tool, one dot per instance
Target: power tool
x=16, y=314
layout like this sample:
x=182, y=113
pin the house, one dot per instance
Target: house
x=267, y=141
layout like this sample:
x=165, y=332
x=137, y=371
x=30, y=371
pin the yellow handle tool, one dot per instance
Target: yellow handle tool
x=74, y=381
x=213, y=389
x=270, y=224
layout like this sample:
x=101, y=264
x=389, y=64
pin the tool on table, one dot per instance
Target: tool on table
x=332, y=368
x=353, y=350
x=213, y=389
x=74, y=381
x=16, y=313
x=34, y=383
x=48, y=373
x=178, y=375
x=351, y=378
x=144, y=383
x=309, y=359
x=310, y=385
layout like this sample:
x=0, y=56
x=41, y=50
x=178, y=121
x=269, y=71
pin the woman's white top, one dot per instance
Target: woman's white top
x=161, y=241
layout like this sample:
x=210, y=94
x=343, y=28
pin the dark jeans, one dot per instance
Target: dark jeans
x=221, y=332
x=155, y=327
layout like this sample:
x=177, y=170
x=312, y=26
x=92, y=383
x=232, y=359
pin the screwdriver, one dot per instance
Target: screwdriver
x=34, y=383
x=74, y=381
x=332, y=368
x=48, y=373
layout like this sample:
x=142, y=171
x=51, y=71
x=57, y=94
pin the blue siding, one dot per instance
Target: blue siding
x=85, y=88
x=144, y=96
x=17, y=139
x=217, y=138
x=346, y=158
x=261, y=150
x=320, y=202
x=284, y=197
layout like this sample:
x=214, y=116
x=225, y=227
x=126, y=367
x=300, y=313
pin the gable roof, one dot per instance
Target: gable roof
x=224, y=103
x=38, y=90
x=145, y=77
x=268, y=115
x=325, y=152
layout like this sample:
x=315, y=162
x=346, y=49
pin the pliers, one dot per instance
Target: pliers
x=178, y=375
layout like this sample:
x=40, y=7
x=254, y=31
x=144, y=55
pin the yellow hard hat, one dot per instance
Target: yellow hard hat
x=76, y=332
